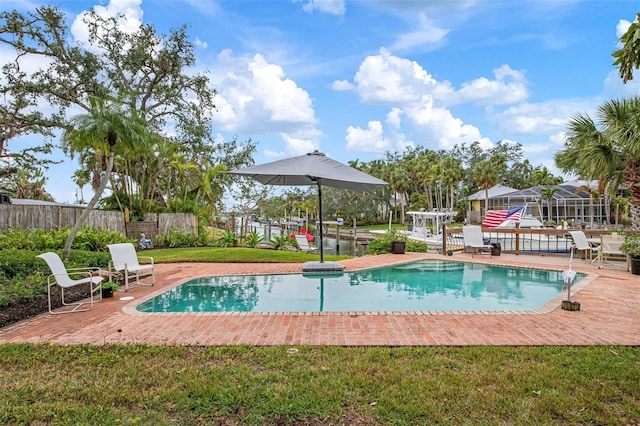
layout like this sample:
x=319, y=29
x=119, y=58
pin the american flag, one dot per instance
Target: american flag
x=496, y=217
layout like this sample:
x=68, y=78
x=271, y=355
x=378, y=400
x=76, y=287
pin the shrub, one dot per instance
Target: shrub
x=23, y=276
x=228, y=239
x=281, y=242
x=252, y=239
x=97, y=240
x=177, y=238
x=382, y=244
x=40, y=240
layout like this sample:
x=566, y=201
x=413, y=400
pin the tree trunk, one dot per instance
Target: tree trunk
x=632, y=179
x=85, y=214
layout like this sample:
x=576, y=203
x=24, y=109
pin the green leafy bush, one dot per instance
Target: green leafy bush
x=631, y=244
x=281, y=242
x=177, y=238
x=40, y=240
x=417, y=246
x=228, y=239
x=252, y=239
x=97, y=240
x=382, y=244
x=23, y=276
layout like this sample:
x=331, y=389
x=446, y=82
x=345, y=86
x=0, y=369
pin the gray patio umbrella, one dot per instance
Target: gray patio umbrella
x=312, y=169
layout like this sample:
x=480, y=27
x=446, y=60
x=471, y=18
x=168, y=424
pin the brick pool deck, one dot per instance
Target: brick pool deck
x=609, y=314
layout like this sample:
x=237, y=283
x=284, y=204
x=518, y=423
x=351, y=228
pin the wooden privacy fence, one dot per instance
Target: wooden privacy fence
x=50, y=217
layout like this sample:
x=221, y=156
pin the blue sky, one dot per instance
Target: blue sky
x=357, y=78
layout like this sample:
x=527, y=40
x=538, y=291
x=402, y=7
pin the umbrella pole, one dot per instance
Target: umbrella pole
x=320, y=219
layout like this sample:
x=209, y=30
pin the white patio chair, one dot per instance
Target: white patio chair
x=124, y=259
x=580, y=242
x=304, y=245
x=472, y=235
x=610, y=246
x=62, y=277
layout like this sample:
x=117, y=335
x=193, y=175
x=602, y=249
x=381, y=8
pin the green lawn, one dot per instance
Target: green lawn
x=136, y=384
x=233, y=255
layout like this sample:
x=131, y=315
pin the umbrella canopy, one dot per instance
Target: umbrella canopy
x=312, y=169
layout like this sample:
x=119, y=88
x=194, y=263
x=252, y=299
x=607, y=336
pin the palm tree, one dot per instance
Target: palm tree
x=548, y=194
x=102, y=129
x=621, y=121
x=486, y=174
x=591, y=153
x=593, y=194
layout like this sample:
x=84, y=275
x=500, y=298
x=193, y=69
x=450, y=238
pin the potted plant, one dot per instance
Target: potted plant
x=631, y=247
x=109, y=287
x=398, y=241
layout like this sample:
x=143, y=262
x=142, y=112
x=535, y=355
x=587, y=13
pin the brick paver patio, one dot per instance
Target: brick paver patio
x=609, y=314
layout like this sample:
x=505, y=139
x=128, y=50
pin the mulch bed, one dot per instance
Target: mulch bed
x=30, y=308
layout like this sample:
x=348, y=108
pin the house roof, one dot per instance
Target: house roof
x=494, y=192
x=27, y=202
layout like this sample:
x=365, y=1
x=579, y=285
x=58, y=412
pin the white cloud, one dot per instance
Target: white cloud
x=370, y=139
x=542, y=117
x=200, y=43
x=130, y=10
x=342, y=85
x=508, y=87
x=205, y=7
x=622, y=27
x=394, y=118
x=385, y=78
x=615, y=88
x=256, y=98
x=439, y=128
x=333, y=7
x=427, y=34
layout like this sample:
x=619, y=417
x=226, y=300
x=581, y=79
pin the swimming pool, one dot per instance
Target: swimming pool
x=428, y=285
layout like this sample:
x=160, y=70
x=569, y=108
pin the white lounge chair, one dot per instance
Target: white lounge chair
x=304, y=245
x=62, y=277
x=124, y=259
x=473, y=241
x=610, y=246
x=580, y=242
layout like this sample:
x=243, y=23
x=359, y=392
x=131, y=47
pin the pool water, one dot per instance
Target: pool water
x=429, y=285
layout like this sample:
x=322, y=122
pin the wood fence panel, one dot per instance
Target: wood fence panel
x=183, y=222
x=107, y=221
x=48, y=217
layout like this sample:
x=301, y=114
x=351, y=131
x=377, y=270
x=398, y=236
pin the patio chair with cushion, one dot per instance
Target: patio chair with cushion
x=610, y=247
x=124, y=259
x=61, y=276
x=303, y=244
x=580, y=242
x=473, y=240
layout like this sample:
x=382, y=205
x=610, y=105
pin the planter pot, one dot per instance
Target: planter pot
x=570, y=306
x=496, y=249
x=107, y=292
x=635, y=265
x=398, y=247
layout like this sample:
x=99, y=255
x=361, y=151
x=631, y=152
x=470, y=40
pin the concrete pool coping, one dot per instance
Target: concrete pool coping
x=609, y=299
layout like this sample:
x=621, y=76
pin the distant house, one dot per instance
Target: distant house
x=566, y=204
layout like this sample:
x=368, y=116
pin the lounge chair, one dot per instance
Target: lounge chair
x=304, y=245
x=580, y=242
x=124, y=259
x=473, y=240
x=610, y=246
x=62, y=277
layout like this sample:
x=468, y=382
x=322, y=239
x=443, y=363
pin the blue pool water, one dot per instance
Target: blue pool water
x=429, y=285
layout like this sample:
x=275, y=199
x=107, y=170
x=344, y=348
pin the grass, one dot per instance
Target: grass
x=138, y=384
x=233, y=255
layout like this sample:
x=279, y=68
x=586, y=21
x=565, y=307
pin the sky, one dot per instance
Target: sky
x=355, y=79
